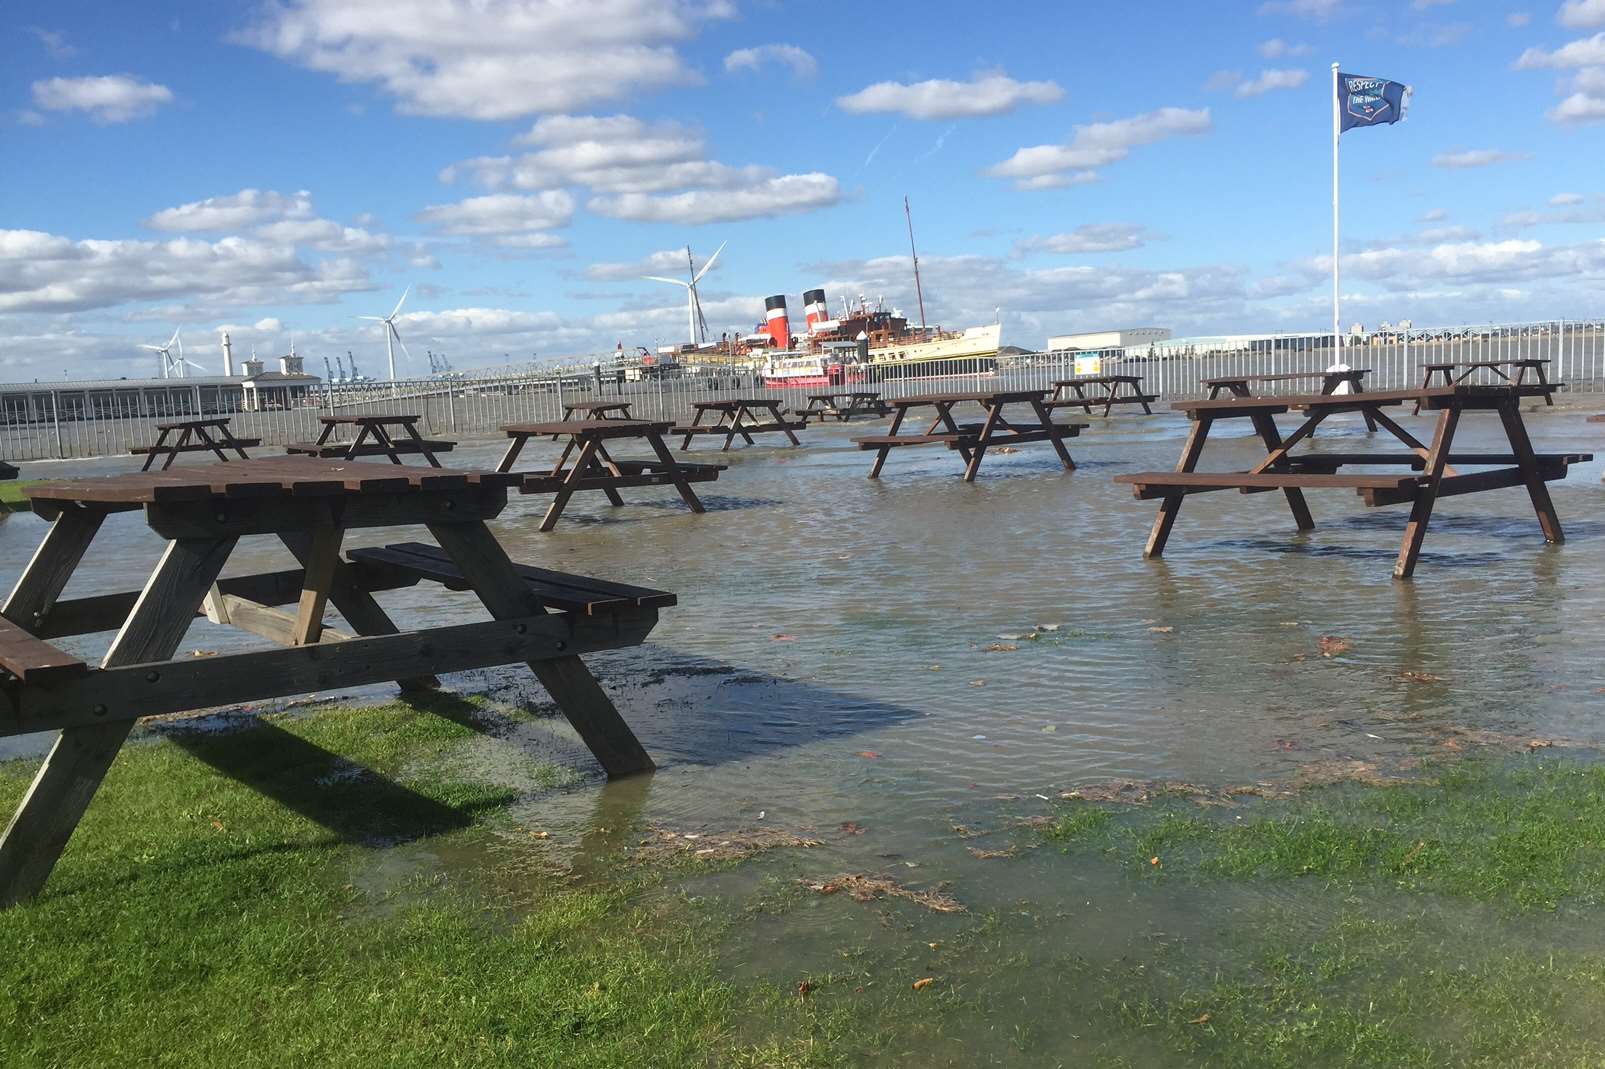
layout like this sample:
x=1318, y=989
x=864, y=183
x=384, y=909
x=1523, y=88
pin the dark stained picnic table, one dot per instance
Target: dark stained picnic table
x=1453, y=372
x=596, y=410
x=375, y=438
x=1331, y=383
x=1116, y=390
x=744, y=416
x=843, y=405
x=543, y=618
x=972, y=440
x=594, y=468
x=204, y=435
x=1432, y=467
x=7, y=471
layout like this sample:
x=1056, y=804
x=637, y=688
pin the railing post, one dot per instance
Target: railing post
x=55, y=421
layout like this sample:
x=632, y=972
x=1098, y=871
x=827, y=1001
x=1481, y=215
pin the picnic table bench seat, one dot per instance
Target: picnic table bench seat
x=189, y=447
x=563, y=591
x=32, y=659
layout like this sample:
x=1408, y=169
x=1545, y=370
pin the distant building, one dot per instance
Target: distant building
x=1105, y=340
x=257, y=389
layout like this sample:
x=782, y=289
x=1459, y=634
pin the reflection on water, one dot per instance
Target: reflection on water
x=900, y=653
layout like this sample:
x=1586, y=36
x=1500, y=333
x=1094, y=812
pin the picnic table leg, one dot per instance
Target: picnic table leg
x=365, y=615
x=150, y=458
x=775, y=408
x=514, y=447
x=604, y=463
x=1170, y=504
x=1266, y=426
x=696, y=421
x=206, y=439
x=174, y=449
x=944, y=419
x=484, y=564
x=1522, y=446
x=412, y=432
x=1109, y=403
x=1426, y=383
x=1055, y=434
x=686, y=493
x=231, y=442
x=362, y=436
x=323, y=557
x=385, y=442
x=1543, y=380
x=1370, y=420
x=974, y=465
x=1415, y=532
x=880, y=456
x=70, y=775
x=560, y=500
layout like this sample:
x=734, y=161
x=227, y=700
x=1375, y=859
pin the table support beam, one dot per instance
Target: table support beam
x=1415, y=532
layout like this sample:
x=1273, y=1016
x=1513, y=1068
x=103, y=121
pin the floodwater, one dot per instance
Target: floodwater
x=916, y=653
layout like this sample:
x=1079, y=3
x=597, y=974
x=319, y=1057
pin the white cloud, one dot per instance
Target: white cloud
x=769, y=197
x=988, y=94
x=802, y=64
x=1269, y=80
x=54, y=42
x=1089, y=237
x=1276, y=48
x=1561, y=200
x=662, y=262
x=1314, y=9
x=1503, y=259
x=1477, y=157
x=324, y=235
x=42, y=272
x=1579, y=107
x=231, y=212
x=1517, y=19
x=110, y=98
x=1581, y=14
x=1584, y=52
x=509, y=219
x=1434, y=215
x=645, y=171
x=489, y=59
x=1096, y=145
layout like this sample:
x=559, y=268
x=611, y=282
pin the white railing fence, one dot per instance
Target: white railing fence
x=60, y=421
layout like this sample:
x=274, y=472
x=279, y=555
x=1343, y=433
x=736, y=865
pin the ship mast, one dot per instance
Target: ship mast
x=920, y=293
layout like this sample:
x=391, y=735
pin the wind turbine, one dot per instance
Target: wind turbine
x=392, y=336
x=169, y=363
x=696, y=325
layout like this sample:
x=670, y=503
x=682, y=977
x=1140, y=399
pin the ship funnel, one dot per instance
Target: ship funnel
x=816, y=309
x=778, y=326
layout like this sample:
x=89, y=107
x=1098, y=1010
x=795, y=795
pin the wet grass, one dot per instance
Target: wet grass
x=210, y=911
x=1527, y=833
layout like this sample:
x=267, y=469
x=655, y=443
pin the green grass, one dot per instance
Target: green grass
x=205, y=919
x=1528, y=833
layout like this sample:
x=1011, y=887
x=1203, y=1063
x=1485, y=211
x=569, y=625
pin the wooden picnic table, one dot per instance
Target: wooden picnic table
x=543, y=618
x=972, y=440
x=1432, y=467
x=1331, y=383
x=595, y=469
x=844, y=405
x=1116, y=390
x=745, y=416
x=374, y=438
x=1453, y=372
x=210, y=435
x=7, y=471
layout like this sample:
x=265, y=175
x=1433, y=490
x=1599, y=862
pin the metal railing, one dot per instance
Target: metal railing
x=60, y=421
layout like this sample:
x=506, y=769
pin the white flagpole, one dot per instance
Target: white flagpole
x=1337, y=336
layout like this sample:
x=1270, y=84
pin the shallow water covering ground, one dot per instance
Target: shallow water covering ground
x=908, y=672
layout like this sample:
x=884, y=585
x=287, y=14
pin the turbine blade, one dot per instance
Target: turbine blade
x=174, y=338
x=399, y=303
x=709, y=264
x=397, y=335
x=670, y=281
x=376, y=319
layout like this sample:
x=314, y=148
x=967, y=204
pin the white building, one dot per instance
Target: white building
x=1103, y=340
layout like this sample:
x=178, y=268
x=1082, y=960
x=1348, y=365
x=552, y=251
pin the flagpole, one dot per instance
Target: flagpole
x=1337, y=336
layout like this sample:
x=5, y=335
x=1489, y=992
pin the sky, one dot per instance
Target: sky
x=277, y=170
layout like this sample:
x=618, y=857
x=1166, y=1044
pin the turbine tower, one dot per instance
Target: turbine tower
x=696, y=325
x=392, y=336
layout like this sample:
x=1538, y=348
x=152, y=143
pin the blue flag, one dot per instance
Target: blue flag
x=1366, y=101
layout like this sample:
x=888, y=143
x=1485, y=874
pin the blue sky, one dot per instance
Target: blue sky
x=279, y=169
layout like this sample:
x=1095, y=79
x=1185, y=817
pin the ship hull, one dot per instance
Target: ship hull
x=821, y=380
x=948, y=368
x=973, y=352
